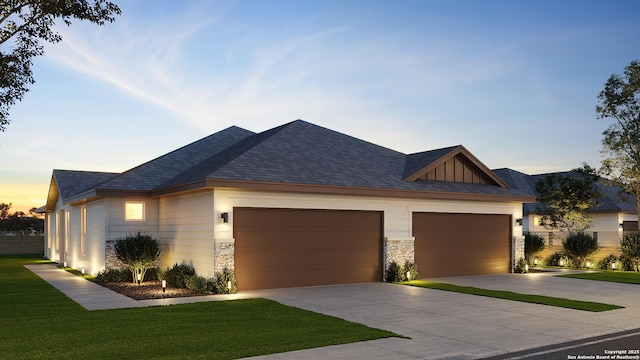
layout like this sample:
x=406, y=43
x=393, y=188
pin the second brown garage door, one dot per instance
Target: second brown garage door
x=462, y=244
x=278, y=248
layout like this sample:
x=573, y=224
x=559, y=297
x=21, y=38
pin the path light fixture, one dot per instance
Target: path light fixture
x=561, y=262
x=64, y=265
x=613, y=266
x=535, y=261
x=229, y=285
x=164, y=285
x=526, y=267
x=408, y=275
x=139, y=277
x=588, y=264
x=82, y=272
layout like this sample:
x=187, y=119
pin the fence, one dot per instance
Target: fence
x=15, y=243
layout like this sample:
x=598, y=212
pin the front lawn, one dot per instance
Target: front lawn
x=626, y=277
x=39, y=322
x=508, y=295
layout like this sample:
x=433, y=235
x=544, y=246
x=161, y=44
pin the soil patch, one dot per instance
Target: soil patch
x=148, y=290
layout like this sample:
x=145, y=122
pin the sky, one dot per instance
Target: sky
x=516, y=82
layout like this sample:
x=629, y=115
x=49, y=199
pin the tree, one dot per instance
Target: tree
x=579, y=246
x=4, y=210
x=23, y=25
x=139, y=252
x=630, y=246
x=620, y=101
x=533, y=244
x=566, y=198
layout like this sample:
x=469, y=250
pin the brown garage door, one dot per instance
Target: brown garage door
x=277, y=248
x=462, y=244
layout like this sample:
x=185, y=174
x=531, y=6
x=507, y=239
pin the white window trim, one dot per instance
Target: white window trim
x=135, y=202
x=83, y=231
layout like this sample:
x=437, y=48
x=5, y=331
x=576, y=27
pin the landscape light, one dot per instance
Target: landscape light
x=561, y=262
x=82, y=272
x=408, y=275
x=535, y=261
x=229, y=286
x=139, y=278
x=526, y=267
x=64, y=264
x=164, y=285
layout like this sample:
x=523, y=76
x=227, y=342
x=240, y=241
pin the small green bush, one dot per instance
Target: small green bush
x=627, y=263
x=533, y=244
x=200, y=284
x=579, y=246
x=605, y=263
x=392, y=274
x=396, y=273
x=138, y=251
x=223, y=280
x=177, y=275
x=113, y=275
x=521, y=266
x=556, y=259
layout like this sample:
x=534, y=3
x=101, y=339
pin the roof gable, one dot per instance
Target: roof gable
x=67, y=183
x=452, y=164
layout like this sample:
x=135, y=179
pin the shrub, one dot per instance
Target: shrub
x=630, y=246
x=396, y=273
x=521, y=266
x=225, y=282
x=579, y=246
x=113, y=275
x=558, y=259
x=139, y=252
x=200, y=284
x=626, y=263
x=533, y=244
x=605, y=263
x=392, y=274
x=410, y=269
x=177, y=275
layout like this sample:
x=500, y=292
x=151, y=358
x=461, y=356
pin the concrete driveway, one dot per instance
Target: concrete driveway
x=451, y=325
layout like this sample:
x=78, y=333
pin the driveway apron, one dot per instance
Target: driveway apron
x=451, y=325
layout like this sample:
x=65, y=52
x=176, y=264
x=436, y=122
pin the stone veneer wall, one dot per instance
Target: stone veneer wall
x=223, y=256
x=111, y=260
x=399, y=251
x=517, y=250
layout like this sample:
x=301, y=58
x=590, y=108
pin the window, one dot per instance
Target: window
x=83, y=231
x=134, y=211
x=536, y=221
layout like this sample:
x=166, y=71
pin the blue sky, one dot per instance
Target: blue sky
x=515, y=82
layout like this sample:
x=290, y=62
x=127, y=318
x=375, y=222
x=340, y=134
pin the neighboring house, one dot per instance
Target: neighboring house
x=615, y=213
x=296, y=205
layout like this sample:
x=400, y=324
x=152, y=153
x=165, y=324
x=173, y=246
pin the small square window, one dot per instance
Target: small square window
x=134, y=210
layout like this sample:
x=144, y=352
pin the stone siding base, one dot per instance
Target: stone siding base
x=398, y=250
x=223, y=256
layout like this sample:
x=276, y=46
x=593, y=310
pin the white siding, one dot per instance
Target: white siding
x=397, y=212
x=94, y=259
x=118, y=227
x=186, y=231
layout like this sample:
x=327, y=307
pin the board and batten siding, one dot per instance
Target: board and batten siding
x=94, y=259
x=186, y=231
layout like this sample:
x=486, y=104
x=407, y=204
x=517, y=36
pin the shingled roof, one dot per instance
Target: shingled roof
x=297, y=156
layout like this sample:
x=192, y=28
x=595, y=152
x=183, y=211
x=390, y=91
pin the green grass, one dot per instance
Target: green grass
x=508, y=295
x=626, y=277
x=39, y=322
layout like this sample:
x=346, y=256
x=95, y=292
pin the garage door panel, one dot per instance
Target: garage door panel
x=278, y=248
x=449, y=244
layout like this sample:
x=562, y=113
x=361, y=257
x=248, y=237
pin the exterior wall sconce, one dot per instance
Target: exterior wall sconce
x=164, y=285
x=519, y=221
x=225, y=217
x=621, y=225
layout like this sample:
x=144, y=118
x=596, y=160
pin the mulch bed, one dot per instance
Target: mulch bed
x=148, y=290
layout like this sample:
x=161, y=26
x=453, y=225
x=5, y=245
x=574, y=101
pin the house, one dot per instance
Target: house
x=615, y=214
x=296, y=205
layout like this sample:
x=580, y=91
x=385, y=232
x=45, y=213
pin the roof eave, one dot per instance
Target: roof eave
x=337, y=190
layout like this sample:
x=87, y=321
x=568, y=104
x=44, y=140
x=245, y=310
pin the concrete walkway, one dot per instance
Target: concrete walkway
x=440, y=324
x=86, y=293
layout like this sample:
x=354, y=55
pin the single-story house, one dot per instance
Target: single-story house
x=296, y=205
x=615, y=214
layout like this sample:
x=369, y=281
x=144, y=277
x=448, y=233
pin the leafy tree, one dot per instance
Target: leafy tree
x=630, y=246
x=620, y=101
x=23, y=25
x=139, y=252
x=566, y=199
x=579, y=246
x=533, y=244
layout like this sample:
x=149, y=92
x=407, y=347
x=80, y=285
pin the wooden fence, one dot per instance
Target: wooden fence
x=17, y=243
